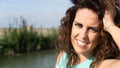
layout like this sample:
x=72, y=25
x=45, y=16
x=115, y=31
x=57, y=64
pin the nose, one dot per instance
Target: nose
x=83, y=33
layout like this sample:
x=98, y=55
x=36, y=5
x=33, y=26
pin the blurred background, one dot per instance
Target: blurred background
x=28, y=32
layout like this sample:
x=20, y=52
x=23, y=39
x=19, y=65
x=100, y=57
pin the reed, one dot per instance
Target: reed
x=26, y=39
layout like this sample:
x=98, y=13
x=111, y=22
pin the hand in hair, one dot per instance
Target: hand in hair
x=108, y=21
x=110, y=27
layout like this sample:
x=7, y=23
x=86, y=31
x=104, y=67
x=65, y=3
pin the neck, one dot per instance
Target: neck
x=83, y=57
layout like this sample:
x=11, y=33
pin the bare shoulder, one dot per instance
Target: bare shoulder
x=59, y=56
x=111, y=63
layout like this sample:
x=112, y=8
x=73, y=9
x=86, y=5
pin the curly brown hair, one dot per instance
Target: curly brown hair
x=107, y=48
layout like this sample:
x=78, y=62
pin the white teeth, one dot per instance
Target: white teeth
x=81, y=43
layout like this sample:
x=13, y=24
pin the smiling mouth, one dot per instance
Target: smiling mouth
x=80, y=43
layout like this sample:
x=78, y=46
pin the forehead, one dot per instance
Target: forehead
x=87, y=16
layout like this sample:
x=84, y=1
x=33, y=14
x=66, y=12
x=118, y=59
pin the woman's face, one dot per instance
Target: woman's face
x=85, y=31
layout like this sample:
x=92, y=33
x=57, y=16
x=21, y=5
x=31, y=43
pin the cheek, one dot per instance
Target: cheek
x=94, y=41
x=94, y=38
x=72, y=34
x=74, y=31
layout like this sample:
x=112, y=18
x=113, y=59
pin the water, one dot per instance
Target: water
x=42, y=59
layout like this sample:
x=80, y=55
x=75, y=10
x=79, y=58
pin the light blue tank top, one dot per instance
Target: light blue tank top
x=64, y=60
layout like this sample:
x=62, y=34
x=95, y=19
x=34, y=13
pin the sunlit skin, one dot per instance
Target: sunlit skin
x=85, y=32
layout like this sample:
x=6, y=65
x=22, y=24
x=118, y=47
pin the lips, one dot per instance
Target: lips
x=81, y=43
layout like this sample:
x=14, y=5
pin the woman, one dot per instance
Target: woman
x=89, y=35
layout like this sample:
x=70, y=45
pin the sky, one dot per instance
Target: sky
x=38, y=13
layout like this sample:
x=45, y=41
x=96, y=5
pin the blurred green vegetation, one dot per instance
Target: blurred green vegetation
x=24, y=39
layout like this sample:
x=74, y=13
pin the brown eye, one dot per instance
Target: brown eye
x=78, y=25
x=93, y=30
